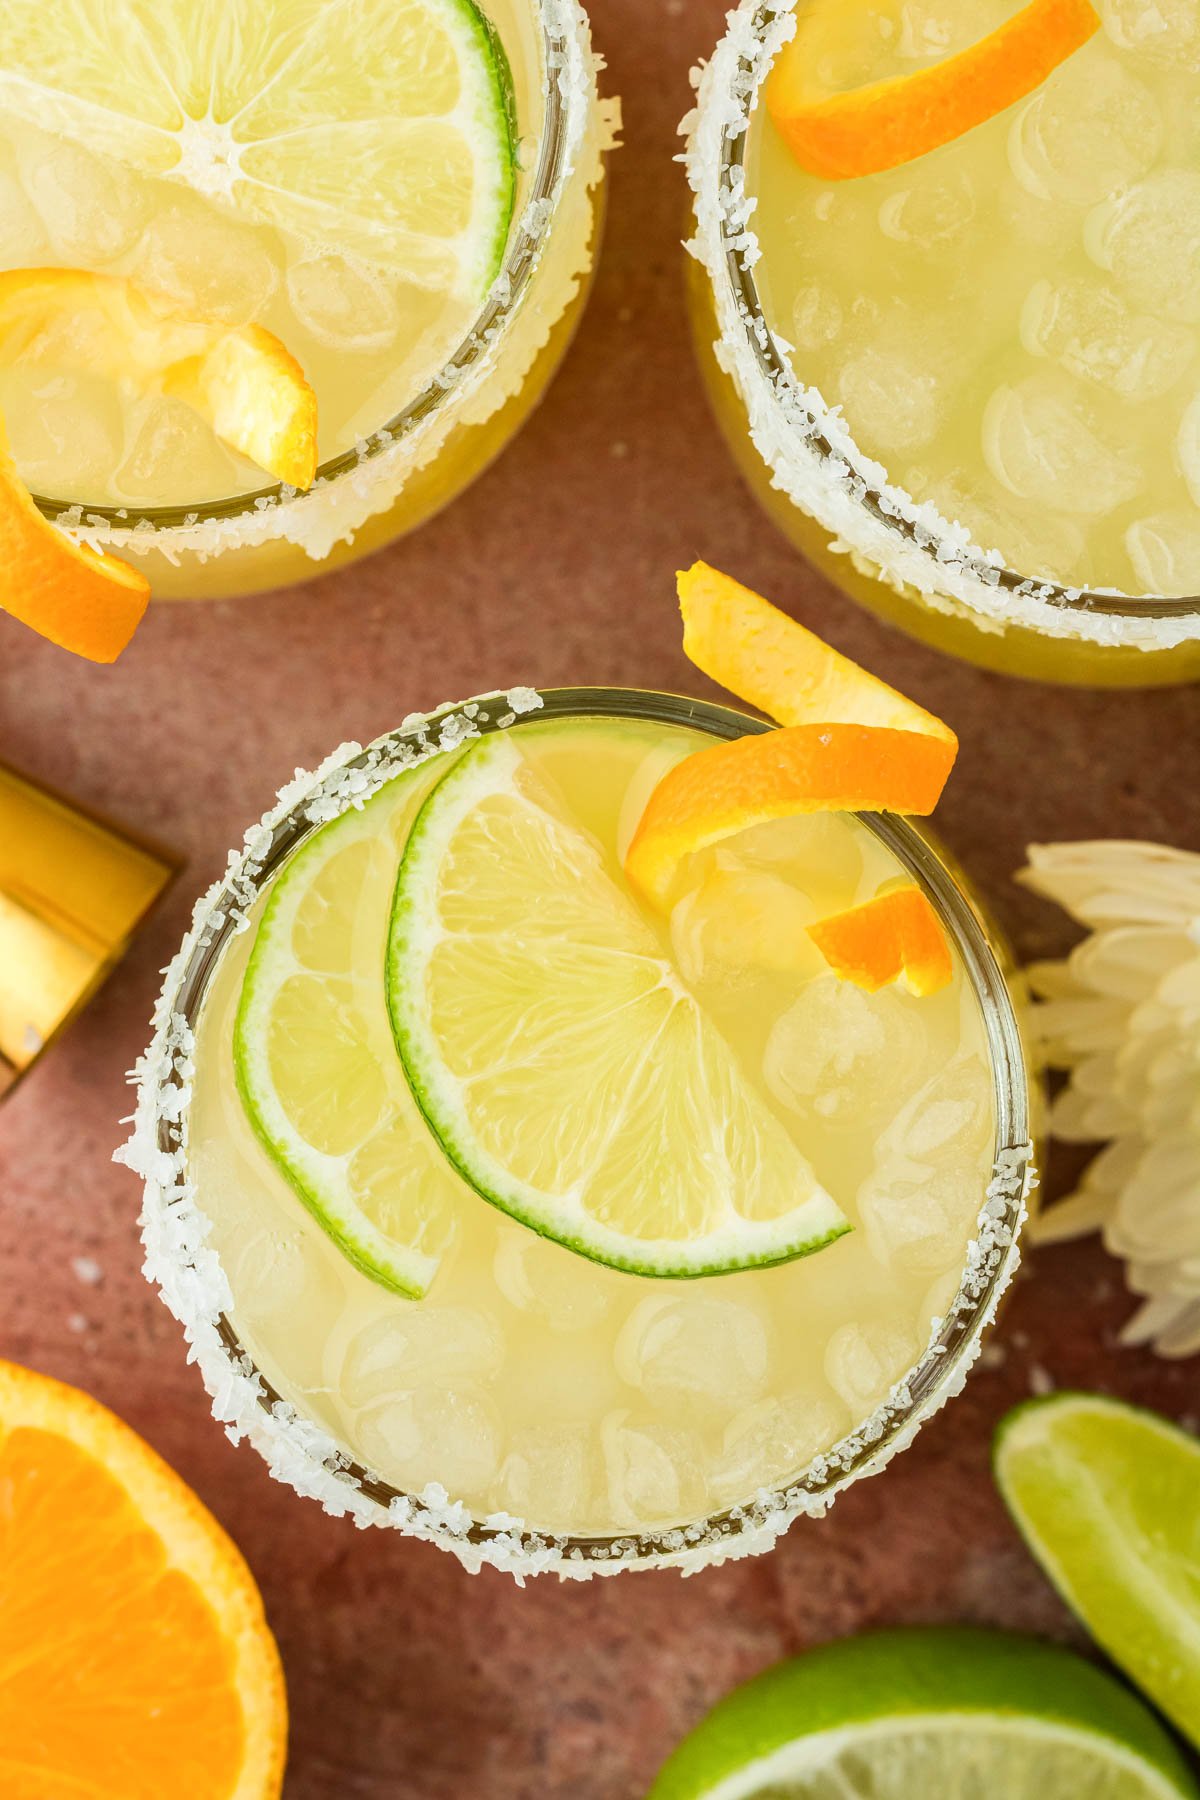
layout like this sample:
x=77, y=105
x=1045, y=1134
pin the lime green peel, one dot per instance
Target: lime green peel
x=932, y=1713
x=1108, y=1499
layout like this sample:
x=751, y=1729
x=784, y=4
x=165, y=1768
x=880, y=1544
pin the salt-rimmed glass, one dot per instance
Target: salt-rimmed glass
x=900, y=558
x=421, y=459
x=194, y=1287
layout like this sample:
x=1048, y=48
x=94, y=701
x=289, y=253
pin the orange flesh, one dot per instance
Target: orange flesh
x=887, y=123
x=119, y=1677
x=894, y=937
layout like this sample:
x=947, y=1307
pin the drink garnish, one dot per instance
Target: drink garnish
x=241, y=379
x=895, y=937
x=83, y=601
x=848, y=742
x=1107, y=1497
x=134, y=1654
x=862, y=131
x=567, y=1072
x=945, y=1710
x=316, y=1068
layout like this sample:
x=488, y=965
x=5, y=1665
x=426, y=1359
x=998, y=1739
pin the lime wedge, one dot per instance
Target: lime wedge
x=314, y=1058
x=945, y=1712
x=382, y=127
x=566, y=1070
x=1108, y=1499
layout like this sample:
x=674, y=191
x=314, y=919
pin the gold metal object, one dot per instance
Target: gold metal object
x=73, y=890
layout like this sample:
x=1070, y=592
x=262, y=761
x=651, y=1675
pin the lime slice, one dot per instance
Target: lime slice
x=956, y=1713
x=566, y=1070
x=1108, y=1499
x=316, y=1066
x=379, y=127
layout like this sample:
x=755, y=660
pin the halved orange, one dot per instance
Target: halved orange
x=88, y=603
x=850, y=743
x=840, y=136
x=895, y=937
x=135, y=1660
x=242, y=380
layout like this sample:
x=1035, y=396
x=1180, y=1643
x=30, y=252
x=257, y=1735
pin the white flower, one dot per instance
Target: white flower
x=1122, y=1014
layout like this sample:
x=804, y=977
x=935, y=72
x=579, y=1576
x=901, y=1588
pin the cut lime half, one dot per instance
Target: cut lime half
x=566, y=1070
x=1108, y=1499
x=316, y=1066
x=381, y=128
x=938, y=1713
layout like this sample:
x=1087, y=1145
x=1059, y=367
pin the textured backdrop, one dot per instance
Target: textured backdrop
x=410, y=1680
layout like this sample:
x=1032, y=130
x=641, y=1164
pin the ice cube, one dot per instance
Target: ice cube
x=1166, y=31
x=843, y=1057
x=549, y=1476
x=418, y=1343
x=1148, y=237
x=774, y=1441
x=949, y=1119
x=66, y=436
x=209, y=264
x=1092, y=128
x=22, y=236
x=433, y=1434
x=653, y=1472
x=90, y=209
x=1165, y=552
x=289, y=1294
x=930, y=211
x=863, y=1362
x=566, y=1291
x=694, y=1353
x=743, y=920
x=1040, y=543
x=344, y=304
x=920, y=1219
x=1042, y=443
x=817, y=315
x=940, y=28
x=1087, y=329
x=175, y=458
x=818, y=854
x=893, y=400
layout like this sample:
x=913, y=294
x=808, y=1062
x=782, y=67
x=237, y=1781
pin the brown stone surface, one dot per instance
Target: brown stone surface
x=409, y=1678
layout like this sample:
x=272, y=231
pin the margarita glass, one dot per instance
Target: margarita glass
x=269, y=184
x=964, y=385
x=537, y=1410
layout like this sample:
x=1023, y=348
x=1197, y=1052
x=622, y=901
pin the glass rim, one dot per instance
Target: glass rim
x=782, y=390
x=528, y=231
x=296, y=1448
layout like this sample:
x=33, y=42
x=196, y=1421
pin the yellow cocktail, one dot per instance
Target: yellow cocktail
x=964, y=378
x=404, y=196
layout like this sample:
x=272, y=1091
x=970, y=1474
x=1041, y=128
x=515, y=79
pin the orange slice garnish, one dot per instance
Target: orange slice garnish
x=242, y=379
x=840, y=136
x=850, y=743
x=895, y=937
x=88, y=603
x=135, y=1660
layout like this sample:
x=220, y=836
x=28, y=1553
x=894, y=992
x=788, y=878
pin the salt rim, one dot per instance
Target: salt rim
x=194, y=1287
x=805, y=443
x=579, y=128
